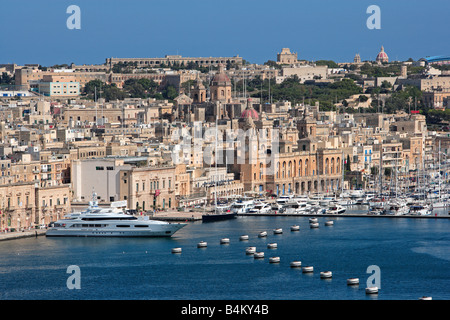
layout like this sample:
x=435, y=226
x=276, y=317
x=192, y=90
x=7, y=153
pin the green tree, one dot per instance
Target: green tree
x=170, y=92
x=94, y=85
x=6, y=79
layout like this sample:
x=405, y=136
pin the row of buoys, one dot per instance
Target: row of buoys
x=313, y=224
x=293, y=264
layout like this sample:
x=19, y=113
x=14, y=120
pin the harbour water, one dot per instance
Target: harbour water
x=413, y=256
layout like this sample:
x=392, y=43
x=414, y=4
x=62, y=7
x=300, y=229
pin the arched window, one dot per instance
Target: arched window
x=289, y=169
x=300, y=168
x=278, y=169
x=260, y=170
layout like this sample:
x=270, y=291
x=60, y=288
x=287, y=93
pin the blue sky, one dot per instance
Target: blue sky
x=34, y=31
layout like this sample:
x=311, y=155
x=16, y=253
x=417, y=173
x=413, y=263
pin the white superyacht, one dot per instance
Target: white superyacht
x=110, y=222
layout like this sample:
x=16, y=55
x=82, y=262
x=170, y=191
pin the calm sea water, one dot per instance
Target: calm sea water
x=413, y=256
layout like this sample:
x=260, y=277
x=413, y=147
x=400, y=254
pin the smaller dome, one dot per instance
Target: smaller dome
x=382, y=56
x=250, y=113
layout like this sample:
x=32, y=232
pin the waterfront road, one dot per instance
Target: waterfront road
x=21, y=234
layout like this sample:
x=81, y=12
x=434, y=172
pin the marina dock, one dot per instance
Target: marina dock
x=177, y=216
x=354, y=215
x=197, y=216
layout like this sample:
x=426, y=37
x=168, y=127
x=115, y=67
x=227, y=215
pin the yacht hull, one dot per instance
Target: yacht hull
x=166, y=230
x=218, y=217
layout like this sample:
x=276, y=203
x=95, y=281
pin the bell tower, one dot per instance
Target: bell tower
x=221, y=87
x=198, y=92
x=306, y=127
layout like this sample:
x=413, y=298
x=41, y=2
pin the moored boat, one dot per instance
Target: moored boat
x=110, y=222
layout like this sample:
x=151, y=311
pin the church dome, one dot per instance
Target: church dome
x=382, y=56
x=220, y=78
x=249, y=112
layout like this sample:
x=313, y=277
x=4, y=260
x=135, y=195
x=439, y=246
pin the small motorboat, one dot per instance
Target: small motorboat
x=335, y=209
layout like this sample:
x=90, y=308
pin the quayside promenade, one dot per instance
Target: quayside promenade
x=21, y=234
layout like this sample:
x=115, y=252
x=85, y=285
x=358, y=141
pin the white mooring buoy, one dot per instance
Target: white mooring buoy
x=274, y=259
x=272, y=246
x=326, y=274
x=352, y=281
x=258, y=255
x=243, y=237
x=202, y=244
x=278, y=231
x=307, y=269
x=372, y=290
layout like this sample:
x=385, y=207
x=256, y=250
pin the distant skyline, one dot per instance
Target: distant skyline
x=36, y=32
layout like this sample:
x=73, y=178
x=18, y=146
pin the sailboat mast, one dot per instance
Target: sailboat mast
x=439, y=166
x=215, y=160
